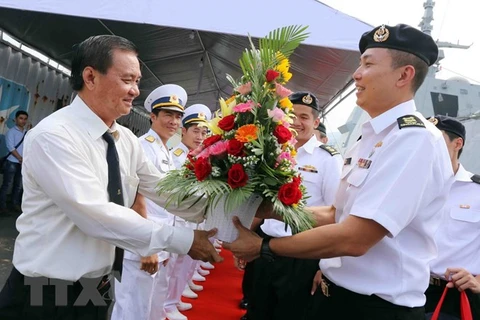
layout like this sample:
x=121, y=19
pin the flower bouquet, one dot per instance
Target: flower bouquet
x=250, y=155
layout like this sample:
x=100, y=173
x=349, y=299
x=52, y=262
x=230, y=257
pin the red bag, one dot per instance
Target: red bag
x=465, y=311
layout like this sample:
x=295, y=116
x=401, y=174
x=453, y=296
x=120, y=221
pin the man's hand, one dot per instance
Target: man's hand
x=248, y=244
x=202, y=248
x=265, y=211
x=149, y=264
x=462, y=280
x=317, y=280
x=240, y=264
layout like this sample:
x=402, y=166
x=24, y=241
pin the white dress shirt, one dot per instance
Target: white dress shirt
x=458, y=237
x=321, y=175
x=404, y=189
x=180, y=155
x=68, y=228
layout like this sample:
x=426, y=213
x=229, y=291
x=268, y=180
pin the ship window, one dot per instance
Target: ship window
x=445, y=104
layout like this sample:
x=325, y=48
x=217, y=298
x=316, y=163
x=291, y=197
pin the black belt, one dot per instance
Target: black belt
x=436, y=281
x=330, y=289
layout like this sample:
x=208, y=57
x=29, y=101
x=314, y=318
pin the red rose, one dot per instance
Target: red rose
x=237, y=177
x=202, y=168
x=297, y=180
x=211, y=140
x=271, y=75
x=290, y=193
x=282, y=133
x=235, y=147
x=227, y=123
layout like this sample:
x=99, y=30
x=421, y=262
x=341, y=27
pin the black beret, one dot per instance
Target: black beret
x=402, y=37
x=305, y=98
x=449, y=124
x=322, y=129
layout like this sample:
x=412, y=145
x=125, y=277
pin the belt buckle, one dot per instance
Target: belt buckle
x=325, y=286
x=435, y=281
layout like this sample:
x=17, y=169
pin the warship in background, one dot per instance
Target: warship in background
x=455, y=97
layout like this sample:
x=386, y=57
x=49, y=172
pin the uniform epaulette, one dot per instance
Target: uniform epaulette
x=178, y=152
x=409, y=121
x=150, y=139
x=329, y=149
x=476, y=178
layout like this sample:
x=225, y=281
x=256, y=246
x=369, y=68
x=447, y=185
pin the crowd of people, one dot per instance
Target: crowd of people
x=396, y=216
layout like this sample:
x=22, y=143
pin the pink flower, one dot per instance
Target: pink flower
x=286, y=156
x=243, y=107
x=292, y=141
x=244, y=89
x=218, y=148
x=276, y=114
x=282, y=91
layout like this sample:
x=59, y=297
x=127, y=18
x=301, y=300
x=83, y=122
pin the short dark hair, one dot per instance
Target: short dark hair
x=20, y=112
x=96, y=52
x=315, y=113
x=452, y=136
x=402, y=58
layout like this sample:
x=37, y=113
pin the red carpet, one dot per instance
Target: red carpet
x=221, y=293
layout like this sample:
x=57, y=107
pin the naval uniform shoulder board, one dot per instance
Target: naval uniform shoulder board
x=178, y=152
x=329, y=149
x=409, y=121
x=150, y=139
x=476, y=178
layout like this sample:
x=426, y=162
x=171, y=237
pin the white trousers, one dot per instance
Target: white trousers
x=140, y=296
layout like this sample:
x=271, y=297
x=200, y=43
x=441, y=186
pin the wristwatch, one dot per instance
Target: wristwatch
x=265, y=251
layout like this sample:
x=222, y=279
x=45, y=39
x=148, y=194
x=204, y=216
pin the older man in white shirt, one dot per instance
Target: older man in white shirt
x=69, y=228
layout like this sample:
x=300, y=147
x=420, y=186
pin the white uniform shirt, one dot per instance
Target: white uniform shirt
x=159, y=155
x=68, y=228
x=321, y=176
x=404, y=189
x=179, y=155
x=458, y=237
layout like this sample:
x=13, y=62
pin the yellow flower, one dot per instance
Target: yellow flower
x=293, y=152
x=213, y=126
x=246, y=133
x=283, y=66
x=286, y=76
x=286, y=103
x=230, y=100
x=225, y=108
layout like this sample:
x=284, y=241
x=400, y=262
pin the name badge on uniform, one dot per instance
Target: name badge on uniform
x=308, y=168
x=464, y=206
x=364, y=163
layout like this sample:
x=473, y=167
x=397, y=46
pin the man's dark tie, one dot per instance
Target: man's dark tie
x=114, y=189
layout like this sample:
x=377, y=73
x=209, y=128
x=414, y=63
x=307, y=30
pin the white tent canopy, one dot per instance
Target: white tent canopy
x=195, y=43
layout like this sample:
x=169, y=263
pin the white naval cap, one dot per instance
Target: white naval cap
x=167, y=97
x=196, y=113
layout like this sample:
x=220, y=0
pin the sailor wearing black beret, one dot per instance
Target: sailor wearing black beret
x=320, y=167
x=457, y=238
x=394, y=184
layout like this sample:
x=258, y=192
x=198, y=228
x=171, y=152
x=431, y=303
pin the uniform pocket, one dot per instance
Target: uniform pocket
x=466, y=215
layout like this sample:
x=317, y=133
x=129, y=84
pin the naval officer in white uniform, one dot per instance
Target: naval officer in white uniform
x=458, y=238
x=395, y=182
x=141, y=295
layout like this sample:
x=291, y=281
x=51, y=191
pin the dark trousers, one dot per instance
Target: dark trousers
x=345, y=304
x=281, y=289
x=12, y=172
x=451, y=304
x=16, y=302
